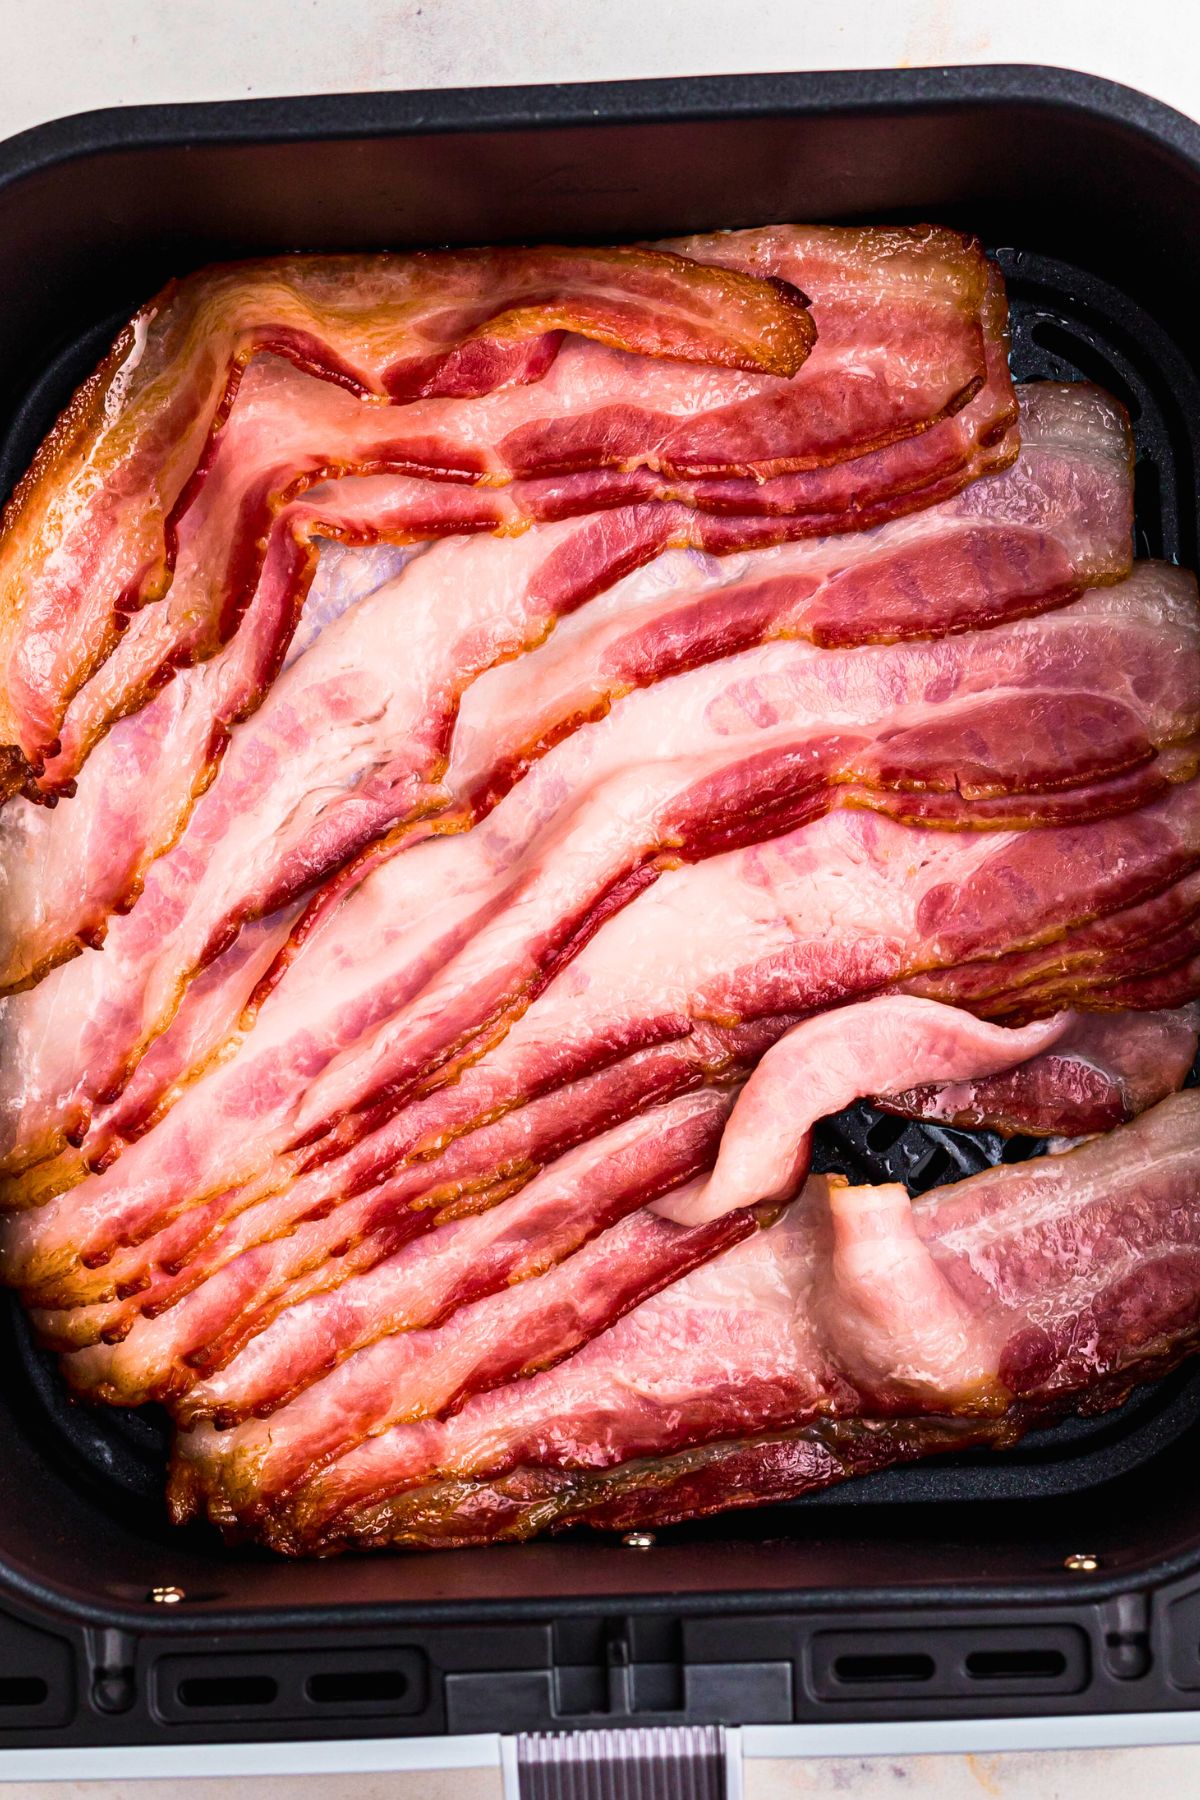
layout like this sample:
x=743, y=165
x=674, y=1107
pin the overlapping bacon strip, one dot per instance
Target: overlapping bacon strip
x=354, y=736
x=444, y=944
x=1103, y=1070
x=860, y=1329
x=762, y=933
x=90, y=534
x=732, y=692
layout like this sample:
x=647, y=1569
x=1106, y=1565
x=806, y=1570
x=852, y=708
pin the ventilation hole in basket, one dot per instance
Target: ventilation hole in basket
x=1015, y=1665
x=1089, y=361
x=914, y=1667
x=885, y=1133
x=1020, y=1149
x=23, y=1690
x=350, y=1687
x=228, y=1690
x=933, y=1172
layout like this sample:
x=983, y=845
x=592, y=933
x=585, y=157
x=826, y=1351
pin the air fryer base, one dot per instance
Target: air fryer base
x=1060, y=1578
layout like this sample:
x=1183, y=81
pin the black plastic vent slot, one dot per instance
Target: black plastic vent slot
x=227, y=1691
x=353, y=1686
x=1015, y=1665
x=874, y=1669
x=23, y=1690
x=331, y=1685
x=952, y=1663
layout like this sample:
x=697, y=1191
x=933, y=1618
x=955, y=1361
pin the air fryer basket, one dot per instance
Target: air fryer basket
x=967, y=1550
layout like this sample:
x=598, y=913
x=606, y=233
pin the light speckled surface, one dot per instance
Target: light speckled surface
x=423, y=1784
x=1171, y=1772
x=61, y=56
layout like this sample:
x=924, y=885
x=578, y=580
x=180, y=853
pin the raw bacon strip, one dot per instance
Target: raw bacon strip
x=1092, y=530
x=1025, y=540
x=600, y=410
x=90, y=858
x=419, y=1373
x=344, y=1217
x=209, y=1011
x=798, y=779
x=788, y=781
x=117, y=1007
x=88, y=535
x=836, y=910
x=272, y=810
x=1153, y=931
x=776, y=1367
x=1103, y=1071
x=465, y=1248
x=823, y=1065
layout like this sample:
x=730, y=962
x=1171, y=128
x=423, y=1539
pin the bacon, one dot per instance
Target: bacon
x=276, y=809
x=1027, y=543
x=416, y=1374
x=1104, y=1070
x=907, y=358
x=88, y=536
x=206, y=1017
x=838, y=909
x=824, y=1064
x=1155, y=930
x=964, y=1316
x=406, y=1270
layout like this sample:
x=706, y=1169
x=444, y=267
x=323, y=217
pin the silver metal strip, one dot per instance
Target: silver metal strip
x=656, y=1762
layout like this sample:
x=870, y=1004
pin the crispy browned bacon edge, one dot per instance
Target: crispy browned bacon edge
x=88, y=536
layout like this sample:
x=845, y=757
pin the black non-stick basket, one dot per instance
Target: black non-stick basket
x=1062, y=1577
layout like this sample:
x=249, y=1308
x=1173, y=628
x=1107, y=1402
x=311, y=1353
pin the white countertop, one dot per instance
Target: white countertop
x=67, y=56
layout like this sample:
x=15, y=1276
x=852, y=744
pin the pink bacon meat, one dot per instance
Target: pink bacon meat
x=761, y=932
x=593, y=413
x=946, y=1321
x=88, y=537
x=1105, y=1069
x=275, y=809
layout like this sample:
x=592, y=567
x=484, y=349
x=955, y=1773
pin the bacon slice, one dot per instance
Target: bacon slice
x=87, y=537
x=824, y=1064
x=276, y=810
x=767, y=931
x=405, y=1270
x=806, y=681
x=744, y=1381
x=421, y=1373
x=1062, y=515
x=123, y=820
x=902, y=360
x=1104, y=1070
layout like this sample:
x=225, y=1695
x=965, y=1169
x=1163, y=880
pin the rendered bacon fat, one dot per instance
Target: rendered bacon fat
x=88, y=536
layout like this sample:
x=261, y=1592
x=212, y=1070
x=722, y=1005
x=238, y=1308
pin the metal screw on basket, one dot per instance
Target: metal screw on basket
x=166, y=1596
x=639, y=1540
x=1081, y=1562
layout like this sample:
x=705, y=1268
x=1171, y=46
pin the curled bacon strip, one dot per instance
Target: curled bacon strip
x=88, y=536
